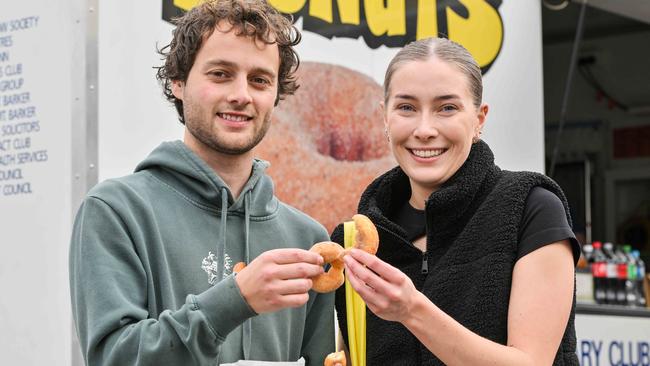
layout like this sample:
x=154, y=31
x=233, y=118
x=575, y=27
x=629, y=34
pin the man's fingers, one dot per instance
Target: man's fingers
x=298, y=270
x=292, y=255
x=294, y=286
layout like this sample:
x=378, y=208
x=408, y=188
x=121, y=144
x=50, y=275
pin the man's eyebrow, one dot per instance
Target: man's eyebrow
x=232, y=65
x=218, y=62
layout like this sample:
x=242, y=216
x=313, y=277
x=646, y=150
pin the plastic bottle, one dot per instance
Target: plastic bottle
x=630, y=281
x=611, y=273
x=621, y=275
x=586, y=254
x=640, y=274
x=599, y=272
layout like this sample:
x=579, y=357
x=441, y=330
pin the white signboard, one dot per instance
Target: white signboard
x=36, y=65
x=606, y=340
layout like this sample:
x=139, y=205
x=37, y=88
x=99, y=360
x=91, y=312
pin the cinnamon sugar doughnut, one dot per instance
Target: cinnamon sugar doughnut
x=334, y=358
x=327, y=143
x=332, y=253
x=367, y=238
x=238, y=267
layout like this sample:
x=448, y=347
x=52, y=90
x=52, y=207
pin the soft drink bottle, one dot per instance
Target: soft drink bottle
x=611, y=274
x=599, y=273
x=640, y=274
x=630, y=282
x=586, y=255
x=621, y=275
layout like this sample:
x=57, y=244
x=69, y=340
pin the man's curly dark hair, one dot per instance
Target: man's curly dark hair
x=251, y=18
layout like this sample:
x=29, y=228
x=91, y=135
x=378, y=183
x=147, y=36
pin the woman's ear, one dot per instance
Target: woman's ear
x=382, y=107
x=481, y=116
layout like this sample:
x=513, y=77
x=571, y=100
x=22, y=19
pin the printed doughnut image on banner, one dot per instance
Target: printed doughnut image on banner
x=327, y=142
x=476, y=24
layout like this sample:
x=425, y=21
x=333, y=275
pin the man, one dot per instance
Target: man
x=152, y=254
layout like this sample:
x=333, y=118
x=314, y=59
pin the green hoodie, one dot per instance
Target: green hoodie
x=145, y=276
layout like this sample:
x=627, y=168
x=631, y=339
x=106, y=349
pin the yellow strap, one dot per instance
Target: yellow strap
x=355, y=309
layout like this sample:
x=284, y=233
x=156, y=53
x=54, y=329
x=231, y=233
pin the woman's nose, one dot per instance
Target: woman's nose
x=426, y=128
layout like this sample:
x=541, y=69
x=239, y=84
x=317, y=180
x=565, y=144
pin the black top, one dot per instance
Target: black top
x=543, y=222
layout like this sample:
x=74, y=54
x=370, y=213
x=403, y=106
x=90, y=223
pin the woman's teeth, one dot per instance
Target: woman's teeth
x=427, y=153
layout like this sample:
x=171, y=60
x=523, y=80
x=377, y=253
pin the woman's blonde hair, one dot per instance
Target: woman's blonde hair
x=445, y=50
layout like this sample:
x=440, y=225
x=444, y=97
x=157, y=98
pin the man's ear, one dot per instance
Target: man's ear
x=177, y=88
x=382, y=108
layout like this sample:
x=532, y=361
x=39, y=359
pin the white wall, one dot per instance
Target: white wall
x=35, y=225
x=133, y=115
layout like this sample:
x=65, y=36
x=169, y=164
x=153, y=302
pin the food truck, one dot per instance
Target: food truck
x=79, y=104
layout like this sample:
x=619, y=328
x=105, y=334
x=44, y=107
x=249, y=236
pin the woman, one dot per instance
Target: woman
x=475, y=264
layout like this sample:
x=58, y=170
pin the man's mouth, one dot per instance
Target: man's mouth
x=427, y=153
x=234, y=117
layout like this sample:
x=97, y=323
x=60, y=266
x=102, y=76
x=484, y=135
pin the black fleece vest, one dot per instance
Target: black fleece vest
x=472, y=236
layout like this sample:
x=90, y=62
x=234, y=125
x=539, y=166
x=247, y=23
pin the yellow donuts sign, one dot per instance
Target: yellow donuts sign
x=476, y=24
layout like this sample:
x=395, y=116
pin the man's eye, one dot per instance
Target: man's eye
x=218, y=74
x=261, y=81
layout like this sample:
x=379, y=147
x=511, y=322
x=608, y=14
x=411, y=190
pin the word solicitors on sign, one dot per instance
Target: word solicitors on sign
x=476, y=24
x=19, y=122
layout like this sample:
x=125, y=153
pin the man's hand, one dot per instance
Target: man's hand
x=278, y=279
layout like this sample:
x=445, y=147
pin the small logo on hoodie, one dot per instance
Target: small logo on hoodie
x=210, y=264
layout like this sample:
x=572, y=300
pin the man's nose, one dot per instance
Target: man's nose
x=239, y=92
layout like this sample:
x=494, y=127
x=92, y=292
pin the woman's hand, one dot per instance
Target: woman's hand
x=387, y=291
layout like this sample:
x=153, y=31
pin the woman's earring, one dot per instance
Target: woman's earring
x=387, y=135
x=477, y=136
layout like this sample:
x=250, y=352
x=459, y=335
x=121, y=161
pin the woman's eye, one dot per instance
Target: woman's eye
x=405, y=107
x=448, y=108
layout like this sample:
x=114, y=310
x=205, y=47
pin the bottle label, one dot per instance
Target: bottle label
x=631, y=271
x=599, y=269
x=611, y=270
x=621, y=271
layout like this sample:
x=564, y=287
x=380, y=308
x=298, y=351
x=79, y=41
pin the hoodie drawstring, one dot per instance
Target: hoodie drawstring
x=221, y=249
x=247, y=328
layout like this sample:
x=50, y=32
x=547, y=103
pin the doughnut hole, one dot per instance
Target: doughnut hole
x=327, y=143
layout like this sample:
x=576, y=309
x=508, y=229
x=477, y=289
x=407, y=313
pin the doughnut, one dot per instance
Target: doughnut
x=238, y=267
x=332, y=253
x=366, y=239
x=327, y=143
x=334, y=358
